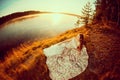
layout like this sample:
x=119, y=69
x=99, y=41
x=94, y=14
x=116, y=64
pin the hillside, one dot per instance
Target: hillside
x=9, y=17
x=28, y=61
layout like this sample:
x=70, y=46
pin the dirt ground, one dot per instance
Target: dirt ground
x=103, y=45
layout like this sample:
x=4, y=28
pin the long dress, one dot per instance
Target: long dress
x=64, y=60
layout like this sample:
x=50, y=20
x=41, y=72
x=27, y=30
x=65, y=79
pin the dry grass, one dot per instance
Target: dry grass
x=27, y=61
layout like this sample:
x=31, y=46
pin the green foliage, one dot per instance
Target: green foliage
x=87, y=15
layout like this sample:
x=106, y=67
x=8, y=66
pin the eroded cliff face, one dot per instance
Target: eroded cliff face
x=103, y=46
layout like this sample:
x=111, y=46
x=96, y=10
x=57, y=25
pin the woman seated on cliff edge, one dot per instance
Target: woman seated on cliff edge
x=82, y=42
x=67, y=59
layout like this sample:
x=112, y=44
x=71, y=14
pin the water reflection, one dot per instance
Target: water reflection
x=40, y=27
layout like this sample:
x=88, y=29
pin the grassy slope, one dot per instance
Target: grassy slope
x=28, y=61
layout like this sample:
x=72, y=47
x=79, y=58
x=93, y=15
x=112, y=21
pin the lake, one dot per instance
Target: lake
x=41, y=26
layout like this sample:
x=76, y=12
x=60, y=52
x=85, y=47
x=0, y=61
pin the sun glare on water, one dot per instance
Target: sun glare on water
x=56, y=18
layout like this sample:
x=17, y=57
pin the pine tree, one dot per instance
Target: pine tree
x=87, y=13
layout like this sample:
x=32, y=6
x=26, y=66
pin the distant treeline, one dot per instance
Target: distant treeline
x=4, y=19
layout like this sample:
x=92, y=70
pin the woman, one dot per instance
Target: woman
x=81, y=40
x=67, y=59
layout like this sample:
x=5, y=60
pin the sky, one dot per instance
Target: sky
x=70, y=6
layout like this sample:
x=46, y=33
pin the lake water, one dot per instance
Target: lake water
x=40, y=27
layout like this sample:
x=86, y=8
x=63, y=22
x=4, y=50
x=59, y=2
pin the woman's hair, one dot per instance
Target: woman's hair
x=81, y=40
x=81, y=36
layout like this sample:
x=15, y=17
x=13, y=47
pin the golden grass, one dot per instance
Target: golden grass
x=25, y=57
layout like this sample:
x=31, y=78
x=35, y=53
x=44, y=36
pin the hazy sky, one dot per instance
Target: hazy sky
x=72, y=6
